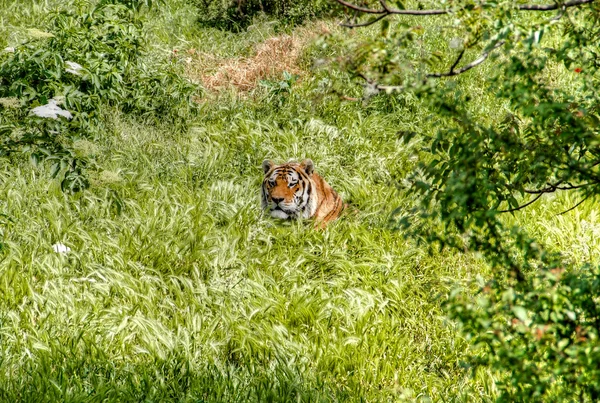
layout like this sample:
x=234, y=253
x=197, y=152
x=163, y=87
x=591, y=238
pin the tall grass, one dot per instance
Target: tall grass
x=177, y=288
x=174, y=276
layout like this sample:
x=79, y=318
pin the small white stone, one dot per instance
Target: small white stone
x=9, y=49
x=61, y=248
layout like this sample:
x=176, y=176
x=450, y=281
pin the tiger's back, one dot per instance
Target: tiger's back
x=295, y=190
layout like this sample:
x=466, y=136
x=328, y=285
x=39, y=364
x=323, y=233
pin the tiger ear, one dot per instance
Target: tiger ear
x=308, y=166
x=267, y=165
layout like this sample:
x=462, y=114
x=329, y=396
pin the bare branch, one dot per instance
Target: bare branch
x=549, y=189
x=462, y=52
x=450, y=73
x=385, y=6
x=575, y=206
x=558, y=16
x=367, y=79
x=344, y=96
x=361, y=9
x=469, y=66
x=364, y=24
x=523, y=206
x=386, y=10
x=552, y=188
x=555, y=6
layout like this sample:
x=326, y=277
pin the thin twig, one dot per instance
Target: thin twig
x=450, y=73
x=344, y=96
x=552, y=188
x=367, y=79
x=574, y=207
x=558, y=16
x=386, y=10
x=523, y=206
x=385, y=6
x=555, y=6
x=469, y=66
x=361, y=9
x=364, y=24
x=462, y=52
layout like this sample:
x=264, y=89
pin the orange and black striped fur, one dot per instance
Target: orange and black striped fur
x=295, y=190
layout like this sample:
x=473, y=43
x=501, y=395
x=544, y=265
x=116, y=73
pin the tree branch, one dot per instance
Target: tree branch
x=555, y=6
x=450, y=73
x=462, y=52
x=552, y=188
x=386, y=10
x=575, y=206
x=523, y=206
x=364, y=24
x=469, y=66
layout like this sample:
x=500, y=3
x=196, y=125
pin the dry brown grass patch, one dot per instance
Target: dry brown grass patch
x=271, y=58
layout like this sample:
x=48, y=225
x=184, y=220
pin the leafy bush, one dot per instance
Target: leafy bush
x=537, y=134
x=89, y=57
x=541, y=339
x=236, y=15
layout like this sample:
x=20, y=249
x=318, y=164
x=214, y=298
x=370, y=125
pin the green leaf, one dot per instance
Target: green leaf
x=520, y=313
x=562, y=344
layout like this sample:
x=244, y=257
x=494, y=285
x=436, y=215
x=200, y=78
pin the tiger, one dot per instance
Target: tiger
x=294, y=190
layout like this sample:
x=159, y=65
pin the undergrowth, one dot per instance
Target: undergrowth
x=86, y=57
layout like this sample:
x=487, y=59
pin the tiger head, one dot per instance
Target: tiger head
x=288, y=190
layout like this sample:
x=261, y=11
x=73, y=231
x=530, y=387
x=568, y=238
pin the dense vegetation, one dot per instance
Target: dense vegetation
x=537, y=319
x=135, y=263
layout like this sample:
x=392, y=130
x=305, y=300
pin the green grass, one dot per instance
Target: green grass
x=177, y=288
x=191, y=274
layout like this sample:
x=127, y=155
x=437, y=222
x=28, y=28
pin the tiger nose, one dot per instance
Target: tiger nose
x=277, y=200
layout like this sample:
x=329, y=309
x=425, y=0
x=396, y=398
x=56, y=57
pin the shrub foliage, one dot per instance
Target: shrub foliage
x=537, y=326
x=93, y=56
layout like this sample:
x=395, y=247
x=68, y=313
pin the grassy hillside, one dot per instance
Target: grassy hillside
x=177, y=288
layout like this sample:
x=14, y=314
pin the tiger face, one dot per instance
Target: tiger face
x=288, y=190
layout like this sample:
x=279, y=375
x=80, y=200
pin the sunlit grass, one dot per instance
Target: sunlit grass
x=175, y=287
x=190, y=274
x=175, y=277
